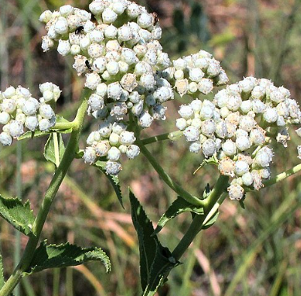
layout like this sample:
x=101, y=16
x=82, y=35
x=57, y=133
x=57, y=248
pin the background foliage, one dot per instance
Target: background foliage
x=247, y=252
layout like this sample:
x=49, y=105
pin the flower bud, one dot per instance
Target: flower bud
x=89, y=155
x=61, y=26
x=209, y=148
x=236, y=192
x=113, y=168
x=5, y=139
x=109, y=16
x=31, y=122
x=114, y=154
x=92, y=80
x=15, y=128
x=132, y=151
x=145, y=120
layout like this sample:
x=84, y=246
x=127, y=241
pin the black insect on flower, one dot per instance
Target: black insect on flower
x=88, y=65
x=79, y=30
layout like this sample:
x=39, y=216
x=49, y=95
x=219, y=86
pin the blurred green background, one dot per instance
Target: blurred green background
x=251, y=251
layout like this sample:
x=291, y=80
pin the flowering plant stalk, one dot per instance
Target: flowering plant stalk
x=128, y=80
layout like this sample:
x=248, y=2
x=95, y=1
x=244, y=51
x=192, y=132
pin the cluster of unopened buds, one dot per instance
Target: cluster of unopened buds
x=116, y=46
x=196, y=74
x=238, y=126
x=121, y=58
x=20, y=111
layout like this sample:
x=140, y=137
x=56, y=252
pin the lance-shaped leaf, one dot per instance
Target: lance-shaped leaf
x=177, y=207
x=114, y=180
x=64, y=255
x=163, y=263
x=2, y=281
x=156, y=261
x=17, y=214
x=211, y=221
x=54, y=148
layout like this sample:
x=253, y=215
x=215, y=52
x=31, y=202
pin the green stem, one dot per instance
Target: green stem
x=64, y=125
x=166, y=178
x=282, y=176
x=168, y=136
x=17, y=251
x=48, y=199
x=212, y=204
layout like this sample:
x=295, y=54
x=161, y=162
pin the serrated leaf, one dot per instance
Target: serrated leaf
x=2, y=281
x=163, y=263
x=16, y=213
x=155, y=260
x=54, y=148
x=114, y=180
x=211, y=221
x=177, y=207
x=64, y=255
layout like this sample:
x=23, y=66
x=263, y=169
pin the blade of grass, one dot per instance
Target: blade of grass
x=56, y=282
x=27, y=286
x=250, y=254
x=92, y=279
x=275, y=291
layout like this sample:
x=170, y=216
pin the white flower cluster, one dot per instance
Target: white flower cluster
x=119, y=54
x=19, y=110
x=110, y=141
x=196, y=74
x=237, y=127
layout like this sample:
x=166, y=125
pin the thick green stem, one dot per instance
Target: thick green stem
x=48, y=199
x=212, y=204
x=64, y=125
x=166, y=178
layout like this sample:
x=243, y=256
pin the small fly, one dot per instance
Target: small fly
x=79, y=30
x=88, y=65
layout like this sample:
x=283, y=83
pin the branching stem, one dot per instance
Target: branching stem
x=50, y=194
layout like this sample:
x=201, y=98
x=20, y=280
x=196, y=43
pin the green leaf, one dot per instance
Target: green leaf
x=155, y=260
x=54, y=148
x=2, y=281
x=64, y=255
x=211, y=221
x=242, y=204
x=177, y=207
x=199, y=22
x=163, y=263
x=17, y=214
x=114, y=180
x=36, y=134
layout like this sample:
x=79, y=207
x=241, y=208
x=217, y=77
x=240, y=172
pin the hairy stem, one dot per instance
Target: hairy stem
x=48, y=199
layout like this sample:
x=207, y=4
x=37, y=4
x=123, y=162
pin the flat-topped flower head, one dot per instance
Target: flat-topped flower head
x=196, y=74
x=109, y=142
x=19, y=111
x=121, y=50
x=237, y=127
